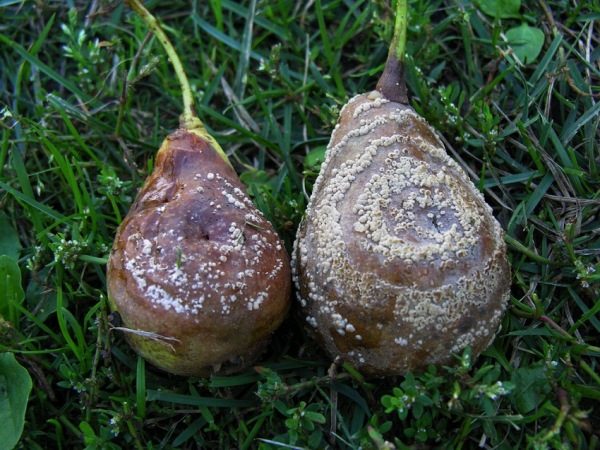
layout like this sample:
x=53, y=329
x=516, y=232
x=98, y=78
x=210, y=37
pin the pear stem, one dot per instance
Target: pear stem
x=391, y=83
x=398, y=44
x=189, y=116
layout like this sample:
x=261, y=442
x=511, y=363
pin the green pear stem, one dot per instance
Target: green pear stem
x=189, y=116
x=398, y=45
x=391, y=83
x=188, y=119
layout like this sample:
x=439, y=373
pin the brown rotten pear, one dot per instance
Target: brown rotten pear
x=197, y=274
x=399, y=261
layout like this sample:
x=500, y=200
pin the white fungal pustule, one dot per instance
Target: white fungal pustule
x=399, y=243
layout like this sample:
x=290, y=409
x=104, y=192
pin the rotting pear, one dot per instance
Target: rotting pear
x=399, y=262
x=199, y=277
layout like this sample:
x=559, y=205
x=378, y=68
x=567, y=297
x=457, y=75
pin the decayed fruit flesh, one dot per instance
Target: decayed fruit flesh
x=196, y=262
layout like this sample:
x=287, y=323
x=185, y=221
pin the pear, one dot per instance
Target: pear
x=198, y=275
x=399, y=262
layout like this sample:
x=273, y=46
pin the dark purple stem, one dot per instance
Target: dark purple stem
x=391, y=84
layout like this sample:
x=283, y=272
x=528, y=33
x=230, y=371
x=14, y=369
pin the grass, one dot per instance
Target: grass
x=86, y=98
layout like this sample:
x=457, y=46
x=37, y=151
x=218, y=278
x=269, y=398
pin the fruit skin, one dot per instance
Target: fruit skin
x=194, y=260
x=399, y=261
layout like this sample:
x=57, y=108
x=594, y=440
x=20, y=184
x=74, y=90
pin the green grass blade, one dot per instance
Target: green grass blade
x=182, y=399
x=33, y=203
x=49, y=71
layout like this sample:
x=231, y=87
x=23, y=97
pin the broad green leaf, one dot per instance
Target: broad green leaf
x=9, y=238
x=500, y=9
x=531, y=388
x=315, y=439
x=15, y=386
x=39, y=297
x=314, y=158
x=255, y=178
x=89, y=437
x=526, y=42
x=11, y=291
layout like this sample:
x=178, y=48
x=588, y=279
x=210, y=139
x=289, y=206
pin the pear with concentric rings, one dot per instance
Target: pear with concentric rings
x=399, y=262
